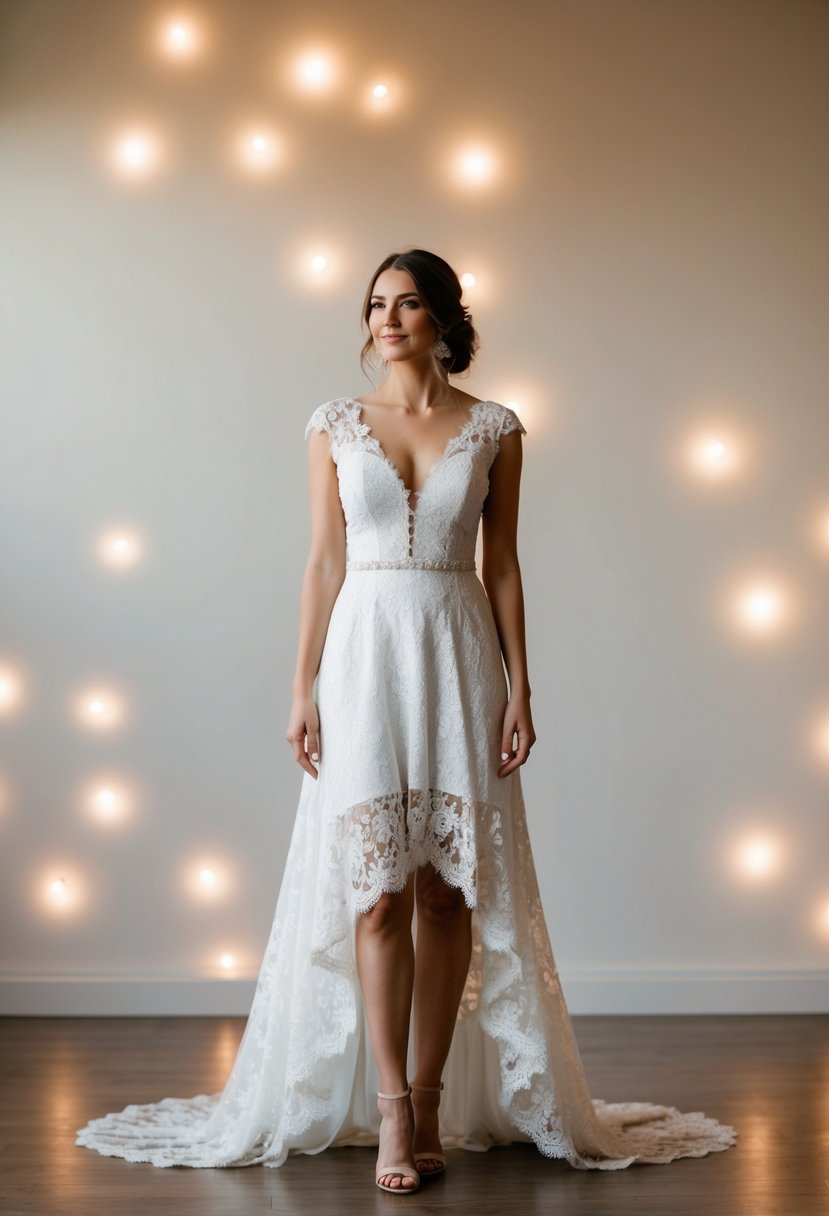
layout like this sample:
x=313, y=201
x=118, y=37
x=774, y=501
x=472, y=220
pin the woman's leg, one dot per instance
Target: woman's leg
x=444, y=949
x=385, y=965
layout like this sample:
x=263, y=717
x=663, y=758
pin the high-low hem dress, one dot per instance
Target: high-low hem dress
x=411, y=693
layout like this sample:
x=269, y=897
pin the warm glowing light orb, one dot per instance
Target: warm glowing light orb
x=181, y=38
x=319, y=262
x=119, y=547
x=60, y=889
x=136, y=153
x=207, y=879
x=758, y=857
x=468, y=281
x=99, y=708
x=475, y=165
x=259, y=149
x=314, y=71
x=11, y=689
x=761, y=607
x=106, y=801
x=227, y=961
x=381, y=99
x=713, y=455
x=821, y=530
x=821, y=739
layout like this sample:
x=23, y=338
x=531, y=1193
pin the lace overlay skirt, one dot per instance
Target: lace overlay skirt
x=411, y=693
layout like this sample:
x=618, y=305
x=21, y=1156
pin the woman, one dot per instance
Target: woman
x=411, y=800
x=412, y=420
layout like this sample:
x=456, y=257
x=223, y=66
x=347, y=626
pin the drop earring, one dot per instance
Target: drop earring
x=441, y=349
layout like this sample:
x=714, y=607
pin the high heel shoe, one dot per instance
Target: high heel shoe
x=405, y=1170
x=429, y=1154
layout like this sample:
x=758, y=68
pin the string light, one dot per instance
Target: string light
x=714, y=456
x=100, y=709
x=119, y=547
x=107, y=801
x=319, y=265
x=475, y=165
x=181, y=38
x=315, y=71
x=137, y=154
x=758, y=857
x=380, y=99
x=11, y=689
x=207, y=879
x=258, y=149
x=61, y=890
x=821, y=739
x=761, y=607
x=820, y=530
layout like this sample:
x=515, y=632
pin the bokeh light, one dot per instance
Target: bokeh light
x=181, y=37
x=11, y=688
x=120, y=547
x=100, y=708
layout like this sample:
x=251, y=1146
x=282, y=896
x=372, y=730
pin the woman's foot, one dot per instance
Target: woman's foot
x=429, y=1157
x=395, y=1149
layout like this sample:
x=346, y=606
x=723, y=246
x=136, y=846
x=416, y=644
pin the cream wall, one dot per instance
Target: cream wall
x=652, y=257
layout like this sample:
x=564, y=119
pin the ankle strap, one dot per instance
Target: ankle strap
x=435, y=1089
x=404, y=1094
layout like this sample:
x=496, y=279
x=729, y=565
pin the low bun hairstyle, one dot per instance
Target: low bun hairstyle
x=441, y=292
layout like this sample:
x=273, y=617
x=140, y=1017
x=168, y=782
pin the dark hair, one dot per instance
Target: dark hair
x=441, y=292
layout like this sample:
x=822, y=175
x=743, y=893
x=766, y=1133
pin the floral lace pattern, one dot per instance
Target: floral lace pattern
x=411, y=693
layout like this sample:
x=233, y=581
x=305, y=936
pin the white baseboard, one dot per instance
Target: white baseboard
x=587, y=991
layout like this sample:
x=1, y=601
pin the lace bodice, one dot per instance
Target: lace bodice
x=383, y=526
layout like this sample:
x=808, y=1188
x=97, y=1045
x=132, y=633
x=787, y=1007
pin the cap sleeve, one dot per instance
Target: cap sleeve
x=318, y=421
x=510, y=422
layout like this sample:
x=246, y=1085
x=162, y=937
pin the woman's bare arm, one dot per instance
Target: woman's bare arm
x=501, y=577
x=324, y=574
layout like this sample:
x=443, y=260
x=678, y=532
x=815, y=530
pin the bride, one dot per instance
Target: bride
x=409, y=893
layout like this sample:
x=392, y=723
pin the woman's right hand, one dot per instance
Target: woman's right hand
x=304, y=723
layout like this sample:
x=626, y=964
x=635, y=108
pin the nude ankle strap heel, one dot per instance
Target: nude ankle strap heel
x=431, y=1155
x=405, y=1170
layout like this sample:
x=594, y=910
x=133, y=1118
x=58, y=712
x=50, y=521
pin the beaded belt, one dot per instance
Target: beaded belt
x=413, y=563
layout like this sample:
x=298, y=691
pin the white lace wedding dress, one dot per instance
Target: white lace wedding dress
x=411, y=692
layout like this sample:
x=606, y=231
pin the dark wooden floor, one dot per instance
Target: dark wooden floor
x=768, y=1076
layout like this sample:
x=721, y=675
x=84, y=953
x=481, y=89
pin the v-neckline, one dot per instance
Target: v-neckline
x=408, y=494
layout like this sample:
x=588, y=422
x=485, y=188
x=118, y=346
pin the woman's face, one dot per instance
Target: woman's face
x=397, y=309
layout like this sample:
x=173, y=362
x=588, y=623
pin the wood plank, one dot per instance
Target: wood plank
x=768, y=1075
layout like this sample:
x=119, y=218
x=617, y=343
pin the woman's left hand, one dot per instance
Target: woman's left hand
x=518, y=721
